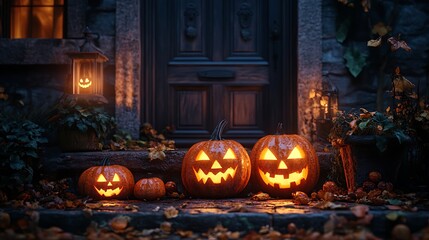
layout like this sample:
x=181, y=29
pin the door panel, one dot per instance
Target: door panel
x=209, y=60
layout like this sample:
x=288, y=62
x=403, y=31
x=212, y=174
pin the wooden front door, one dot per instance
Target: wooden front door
x=208, y=60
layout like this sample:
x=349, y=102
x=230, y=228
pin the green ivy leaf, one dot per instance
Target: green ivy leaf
x=81, y=127
x=401, y=136
x=16, y=162
x=343, y=29
x=355, y=60
x=32, y=154
x=381, y=143
x=362, y=125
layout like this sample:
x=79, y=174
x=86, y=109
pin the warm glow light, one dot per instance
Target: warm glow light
x=43, y=19
x=202, y=156
x=229, y=154
x=324, y=103
x=216, y=178
x=312, y=93
x=216, y=165
x=296, y=153
x=282, y=165
x=281, y=181
x=85, y=83
x=101, y=178
x=109, y=192
x=116, y=178
x=266, y=154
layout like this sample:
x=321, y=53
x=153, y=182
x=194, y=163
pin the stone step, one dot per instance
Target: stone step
x=240, y=214
x=72, y=164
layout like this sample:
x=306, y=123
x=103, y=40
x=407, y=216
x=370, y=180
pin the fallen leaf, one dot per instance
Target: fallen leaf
x=300, y=198
x=360, y=210
x=374, y=42
x=260, y=196
x=131, y=207
x=381, y=29
x=366, y=5
x=157, y=152
x=396, y=44
x=94, y=205
x=171, y=212
x=166, y=227
x=119, y=223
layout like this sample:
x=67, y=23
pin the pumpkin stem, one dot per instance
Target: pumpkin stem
x=105, y=162
x=217, y=132
x=279, y=128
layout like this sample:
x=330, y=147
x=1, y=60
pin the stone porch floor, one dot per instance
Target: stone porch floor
x=198, y=215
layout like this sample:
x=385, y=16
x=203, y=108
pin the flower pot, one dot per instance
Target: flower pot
x=73, y=140
x=393, y=163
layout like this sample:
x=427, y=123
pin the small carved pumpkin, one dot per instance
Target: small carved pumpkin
x=85, y=83
x=149, y=189
x=283, y=164
x=106, y=181
x=216, y=168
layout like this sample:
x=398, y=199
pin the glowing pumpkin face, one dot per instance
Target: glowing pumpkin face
x=285, y=175
x=216, y=168
x=283, y=164
x=110, y=188
x=85, y=83
x=215, y=172
x=106, y=182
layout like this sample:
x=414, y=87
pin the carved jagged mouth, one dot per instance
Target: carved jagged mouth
x=83, y=85
x=281, y=181
x=109, y=192
x=216, y=178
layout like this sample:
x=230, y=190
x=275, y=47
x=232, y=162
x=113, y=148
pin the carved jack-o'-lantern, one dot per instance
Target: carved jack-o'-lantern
x=85, y=83
x=283, y=164
x=216, y=168
x=106, y=182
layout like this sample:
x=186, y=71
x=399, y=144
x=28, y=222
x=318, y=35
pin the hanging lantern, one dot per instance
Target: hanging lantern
x=87, y=66
x=325, y=102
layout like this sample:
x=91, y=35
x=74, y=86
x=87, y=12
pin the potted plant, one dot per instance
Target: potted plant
x=384, y=142
x=82, y=123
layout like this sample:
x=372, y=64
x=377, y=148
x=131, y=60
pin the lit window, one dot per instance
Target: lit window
x=36, y=18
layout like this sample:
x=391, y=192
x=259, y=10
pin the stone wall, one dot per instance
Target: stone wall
x=412, y=23
x=38, y=69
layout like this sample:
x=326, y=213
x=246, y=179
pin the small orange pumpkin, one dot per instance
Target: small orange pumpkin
x=106, y=181
x=216, y=168
x=149, y=189
x=283, y=164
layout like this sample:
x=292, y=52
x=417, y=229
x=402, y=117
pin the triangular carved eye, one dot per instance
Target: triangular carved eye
x=296, y=153
x=266, y=154
x=229, y=154
x=101, y=178
x=202, y=156
x=116, y=178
